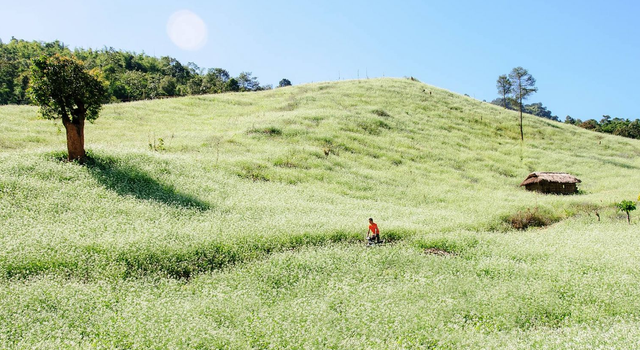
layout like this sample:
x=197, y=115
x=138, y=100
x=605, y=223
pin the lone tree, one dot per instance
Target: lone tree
x=284, y=82
x=505, y=87
x=523, y=86
x=64, y=89
x=627, y=206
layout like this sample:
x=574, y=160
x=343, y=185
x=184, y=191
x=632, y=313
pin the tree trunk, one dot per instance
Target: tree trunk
x=75, y=138
x=628, y=218
x=521, y=133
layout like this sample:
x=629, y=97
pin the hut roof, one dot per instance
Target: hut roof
x=562, y=178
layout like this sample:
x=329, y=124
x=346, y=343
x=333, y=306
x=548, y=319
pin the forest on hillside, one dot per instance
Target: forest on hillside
x=130, y=76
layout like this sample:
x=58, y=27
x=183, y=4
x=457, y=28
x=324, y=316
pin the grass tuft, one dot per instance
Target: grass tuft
x=381, y=113
x=254, y=171
x=269, y=131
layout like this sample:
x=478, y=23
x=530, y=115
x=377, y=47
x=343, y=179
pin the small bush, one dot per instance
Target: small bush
x=380, y=113
x=525, y=219
x=269, y=131
x=157, y=145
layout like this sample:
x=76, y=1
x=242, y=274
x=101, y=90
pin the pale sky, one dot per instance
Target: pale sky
x=582, y=53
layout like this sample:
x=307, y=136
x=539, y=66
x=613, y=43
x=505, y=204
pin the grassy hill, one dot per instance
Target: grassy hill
x=237, y=220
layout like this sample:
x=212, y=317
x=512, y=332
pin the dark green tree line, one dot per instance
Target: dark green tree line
x=537, y=108
x=129, y=76
x=615, y=126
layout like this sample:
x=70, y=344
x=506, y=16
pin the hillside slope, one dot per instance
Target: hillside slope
x=177, y=189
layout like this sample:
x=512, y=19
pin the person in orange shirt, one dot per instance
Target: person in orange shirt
x=373, y=235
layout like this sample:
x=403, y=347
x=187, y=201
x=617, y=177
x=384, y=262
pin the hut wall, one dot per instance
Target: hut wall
x=552, y=187
x=533, y=187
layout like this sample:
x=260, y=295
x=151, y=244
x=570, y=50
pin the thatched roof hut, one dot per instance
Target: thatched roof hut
x=547, y=182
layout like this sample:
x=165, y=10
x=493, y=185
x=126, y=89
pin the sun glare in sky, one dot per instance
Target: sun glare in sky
x=187, y=30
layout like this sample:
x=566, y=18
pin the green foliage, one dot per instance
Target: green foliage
x=539, y=110
x=247, y=82
x=536, y=109
x=524, y=84
x=505, y=87
x=62, y=88
x=157, y=145
x=626, y=206
x=608, y=125
x=232, y=85
x=15, y=63
x=284, y=83
x=504, y=102
x=129, y=76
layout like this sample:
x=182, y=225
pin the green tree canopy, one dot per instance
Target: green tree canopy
x=626, y=206
x=232, y=85
x=284, y=82
x=504, y=86
x=539, y=110
x=524, y=84
x=248, y=82
x=64, y=89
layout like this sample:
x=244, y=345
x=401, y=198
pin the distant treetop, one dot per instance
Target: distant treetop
x=284, y=82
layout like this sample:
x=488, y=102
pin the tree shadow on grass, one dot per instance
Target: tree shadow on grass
x=128, y=180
